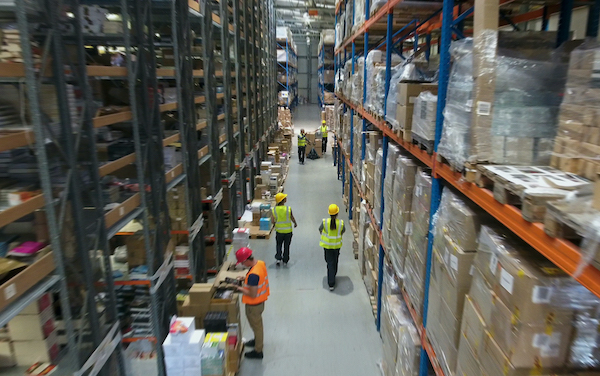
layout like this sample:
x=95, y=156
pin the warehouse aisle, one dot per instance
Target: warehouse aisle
x=308, y=329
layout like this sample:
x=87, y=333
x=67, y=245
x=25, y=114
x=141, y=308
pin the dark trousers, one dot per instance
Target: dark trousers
x=332, y=256
x=324, y=145
x=283, y=243
x=301, y=153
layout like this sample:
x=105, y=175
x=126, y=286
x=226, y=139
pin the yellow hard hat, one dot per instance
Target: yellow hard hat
x=324, y=122
x=279, y=197
x=333, y=209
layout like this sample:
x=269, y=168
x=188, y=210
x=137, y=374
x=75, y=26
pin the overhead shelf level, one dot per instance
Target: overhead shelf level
x=287, y=68
x=326, y=68
x=385, y=55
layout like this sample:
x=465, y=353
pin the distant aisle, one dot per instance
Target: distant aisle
x=310, y=331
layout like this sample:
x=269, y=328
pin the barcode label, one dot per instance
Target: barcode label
x=418, y=191
x=494, y=264
x=469, y=104
x=121, y=211
x=454, y=262
x=541, y=295
x=484, y=108
x=472, y=270
x=540, y=340
x=506, y=280
x=10, y=291
x=408, y=229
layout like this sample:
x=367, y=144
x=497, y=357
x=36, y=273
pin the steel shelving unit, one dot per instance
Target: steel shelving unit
x=289, y=70
x=239, y=127
x=325, y=64
x=379, y=31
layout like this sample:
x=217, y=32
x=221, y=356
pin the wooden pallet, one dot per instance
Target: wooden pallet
x=423, y=144
x=516, y=191
x=468, y=170
x=568, y=221
x=257, y=233
x=404, y=135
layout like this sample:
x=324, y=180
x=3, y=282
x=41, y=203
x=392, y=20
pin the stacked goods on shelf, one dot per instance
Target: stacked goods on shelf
x=33, y=334
x=424, y=116
x=376, y=203
x=577, y=144
x=183, y=348
x=284, y=116
x=456, y=230
x=515, y=101
x=357, y=147
x=10, y=42
x=522, y=315
x=416, y=255
x=401, y=209
x=375, y=96
x=356, y=81
x=375, y=141
x=388, y=192
x=402, y=100
x=177, y=208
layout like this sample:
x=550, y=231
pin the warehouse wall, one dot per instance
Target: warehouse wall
x=307, y=68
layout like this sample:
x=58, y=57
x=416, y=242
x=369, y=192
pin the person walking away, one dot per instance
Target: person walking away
x=302, y=145
x=255, y=293
x=331, y=230
x=283, y=217
x=324, y=135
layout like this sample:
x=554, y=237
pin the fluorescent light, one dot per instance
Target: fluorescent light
x=113, y=17
x=70, y=15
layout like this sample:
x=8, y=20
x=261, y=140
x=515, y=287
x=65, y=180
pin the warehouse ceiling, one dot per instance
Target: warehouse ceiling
x=305, y=16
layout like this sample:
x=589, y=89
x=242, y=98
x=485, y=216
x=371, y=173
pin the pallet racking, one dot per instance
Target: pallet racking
x=326, y=63
x=287, y=65
x=442, y=22
x=239, y=127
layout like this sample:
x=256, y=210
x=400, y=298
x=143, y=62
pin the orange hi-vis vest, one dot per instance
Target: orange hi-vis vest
x=260, y=269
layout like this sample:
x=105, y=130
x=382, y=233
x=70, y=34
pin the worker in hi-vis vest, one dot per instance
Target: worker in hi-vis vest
x=302, y=141
x=323, y=129
x=331, y=230
x=282, y=216
x=255, y=293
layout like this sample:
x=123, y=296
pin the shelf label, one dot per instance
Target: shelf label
x=494, y=263
x=195, y=228
x=506, y=280
x=99, y=357
x=121, y=211
x=10, y=291
x=541, y=295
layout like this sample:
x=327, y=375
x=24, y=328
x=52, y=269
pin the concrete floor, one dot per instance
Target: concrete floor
x=310, y=331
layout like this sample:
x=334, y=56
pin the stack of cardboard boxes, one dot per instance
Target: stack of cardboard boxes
x=201, y=300
x=519, y=312
x=33, y=335
x=388, y=192
x=416, y=256
x=177, y=208
x=401, y=208
x=284, y=116
x=424, y=116
x=407, y=94
x=454, y=248
x=577, y=144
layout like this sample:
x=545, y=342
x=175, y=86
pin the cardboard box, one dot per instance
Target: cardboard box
x=525, y=344
x=524, y=284
x=26, y=279
x=7, y=357
x=467, y=363
x=201, y=293
x=32, y=327
x=41, y=351
x=485, y=15
x=408, y=92
x=232, y=308
x=473, y=326
x=404, y=116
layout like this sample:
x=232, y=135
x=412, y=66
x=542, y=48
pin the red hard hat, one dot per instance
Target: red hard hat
x=242, y=254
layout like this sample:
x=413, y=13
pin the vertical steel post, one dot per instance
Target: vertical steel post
x=564, y=22
x=593, y=19
x=388, y=58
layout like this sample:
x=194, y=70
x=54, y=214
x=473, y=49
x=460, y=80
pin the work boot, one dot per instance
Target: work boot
x=254, y=355
x=250, y=343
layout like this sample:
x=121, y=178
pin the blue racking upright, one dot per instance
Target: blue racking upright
x=378, y=29
x=287, y=71
x=326, y=67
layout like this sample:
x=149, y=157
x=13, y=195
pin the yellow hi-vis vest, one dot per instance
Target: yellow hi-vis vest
x=332, y=239
x=283, y=218
x=324, y=130
x=301, y=140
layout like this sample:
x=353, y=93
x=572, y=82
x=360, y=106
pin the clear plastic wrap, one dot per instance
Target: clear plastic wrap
x=409, y=351
x=458, y=220
x=407, y=72
x=424, y=115
x=376, y=5
x=515, y=110
x=359, y=14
